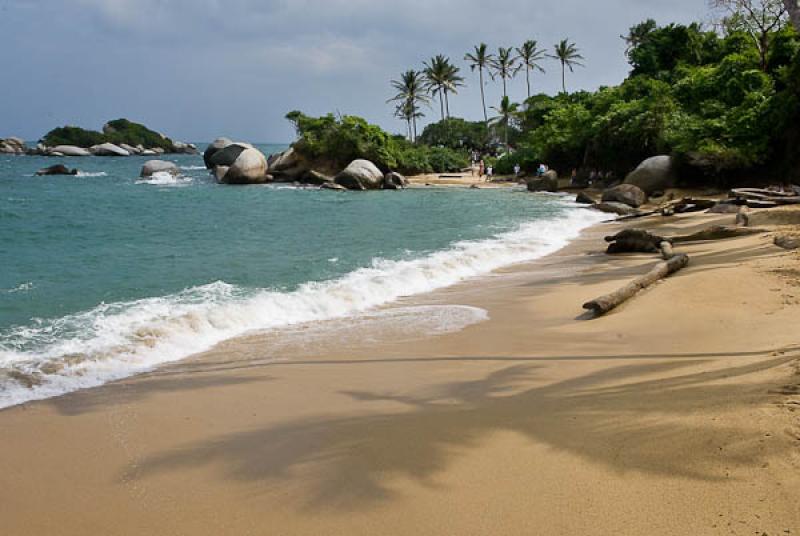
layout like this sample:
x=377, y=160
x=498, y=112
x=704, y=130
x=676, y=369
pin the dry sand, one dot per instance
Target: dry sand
x=676, y=414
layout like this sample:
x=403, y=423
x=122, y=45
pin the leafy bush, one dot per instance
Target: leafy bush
x=456, y=133
x=73, y=136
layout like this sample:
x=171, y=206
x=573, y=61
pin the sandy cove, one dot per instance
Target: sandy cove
x=679, y=413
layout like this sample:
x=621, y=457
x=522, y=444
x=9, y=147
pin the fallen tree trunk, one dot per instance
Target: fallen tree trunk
x=607, y=303
x=765, y=196
x=718, y=232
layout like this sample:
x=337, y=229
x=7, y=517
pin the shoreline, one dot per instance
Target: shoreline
x=675, y=403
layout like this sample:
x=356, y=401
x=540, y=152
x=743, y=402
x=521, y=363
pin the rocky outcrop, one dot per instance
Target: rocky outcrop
x=180, y=147
x=68, y=150
x=584, y=199
x=108, y=149
x=13, y=145
x=360, y=175
x=546, y=183
x=249, y=167
x=58, y=169
x=394, y=181
x=289, y=166
x=333, y=186
x=628, y=194
x=654, y=174
x=159, y=166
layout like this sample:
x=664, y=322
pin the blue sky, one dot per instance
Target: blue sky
x=197, y=69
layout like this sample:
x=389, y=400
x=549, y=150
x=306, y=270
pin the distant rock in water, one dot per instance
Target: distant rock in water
x=108, y=149
x=159, y=166
x=628, y=194
x=68, y=150
x=360, y=175
x=236, y=162
x=654, y=174
x=13, y=145
x=394, y=181
x=58, y=169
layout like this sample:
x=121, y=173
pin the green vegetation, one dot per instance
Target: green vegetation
x=457, y=134
x=334, y=142
x=116, y=132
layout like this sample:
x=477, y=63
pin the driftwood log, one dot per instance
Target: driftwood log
x=759, y=198
x=609, y=302
x=639, y=241
x=717, y=232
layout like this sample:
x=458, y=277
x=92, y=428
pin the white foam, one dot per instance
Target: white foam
x=23, y=287
x=117, y=340
x=193, y=168
x=92, y=174
x=164, y=178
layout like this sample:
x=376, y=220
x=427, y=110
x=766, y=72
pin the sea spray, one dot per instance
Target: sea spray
x=112, y=341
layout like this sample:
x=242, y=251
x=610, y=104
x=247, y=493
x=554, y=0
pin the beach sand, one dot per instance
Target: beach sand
x=679, y=413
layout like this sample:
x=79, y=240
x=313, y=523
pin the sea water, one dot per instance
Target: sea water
x=104, y=274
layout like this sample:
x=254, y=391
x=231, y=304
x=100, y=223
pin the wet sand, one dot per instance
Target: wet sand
x=679, y=413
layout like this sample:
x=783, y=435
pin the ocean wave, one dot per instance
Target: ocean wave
x=163, y=178
x=24, y=287
x=194, y=168
x=92, y=174
x=112, y=341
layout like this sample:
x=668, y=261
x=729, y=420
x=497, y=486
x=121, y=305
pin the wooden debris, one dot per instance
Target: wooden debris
x=718, y=232
x=604, y=304
x=765, y=198
x=787, y=242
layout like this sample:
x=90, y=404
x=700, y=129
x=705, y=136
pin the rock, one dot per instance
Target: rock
x=58, y=169
x=159, y=166
x=394, y=181
x=180, y=147
x=130, y=148
x=315, y=177
x=148, y=152
x=656, y=173
x=360, y=175
x=787, y=242
x=584, y=199
x=108, y=149
x=332, y=186
x=211, y=150
x=13, y=145
x=546, y=183
x=626, y=193
x=724, y=208
x=69, y=150
x=248, y=167
x=57, y=154
x=158, y=150
x=620, y=209
x=288, y=159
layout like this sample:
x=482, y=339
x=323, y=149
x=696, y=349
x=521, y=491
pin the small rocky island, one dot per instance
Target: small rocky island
x=120, y=137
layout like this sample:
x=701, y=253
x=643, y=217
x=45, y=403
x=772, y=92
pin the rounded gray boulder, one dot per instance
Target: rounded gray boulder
x=360, y=175
x=654, y=174
x=159, y=166
x=631, y=195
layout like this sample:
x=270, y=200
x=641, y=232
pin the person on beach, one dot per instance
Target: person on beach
x=481, y=168
x=516, y=170
x=573, y=180
x=489, y=173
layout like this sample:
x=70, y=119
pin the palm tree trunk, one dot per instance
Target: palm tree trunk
x=414, y=140
x=505, y=93
x=447, y=103
x=507, y=149
x=441, y=102
x=483, y=98
x=408, y=127
x=528, y=80
x=564, y=76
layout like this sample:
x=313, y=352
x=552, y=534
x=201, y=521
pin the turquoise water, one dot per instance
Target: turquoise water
x=104, y=275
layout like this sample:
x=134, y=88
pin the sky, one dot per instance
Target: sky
x=199, y=69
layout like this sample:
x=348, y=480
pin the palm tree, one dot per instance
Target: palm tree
x=411, y=92
x=409, y=113
x=437, y=73
x=529, y=57
x=480, y=59
x=504, y=66
x=508, y=112
x=568, y=54
x=452, y=81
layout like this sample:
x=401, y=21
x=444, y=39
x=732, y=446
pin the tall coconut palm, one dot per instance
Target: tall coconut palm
x=409, y=113
x=452, y=81
x=504, y=66
x=508, y=113
x=569, y=55
x=480, y=59
x=437, y=72
x=411, y=92
x=530, y=56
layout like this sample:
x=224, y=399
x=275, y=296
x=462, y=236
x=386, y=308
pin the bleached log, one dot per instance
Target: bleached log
x=609, y=302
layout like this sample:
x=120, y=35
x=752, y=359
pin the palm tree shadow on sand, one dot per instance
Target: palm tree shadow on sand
x=623, y=425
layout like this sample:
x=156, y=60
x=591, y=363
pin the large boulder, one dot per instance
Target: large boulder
x=654, y=174
x=546, y=183
x=584, y=199
x=131, y=149
x=360, y=175
x=394, y=181
x=69, y=150
x=211, y=150
x=159, y=166
x=248, y=167
x=108, y=149
x=13, y=146
x=631, y=195
x=58, y=169
x=289, y=166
